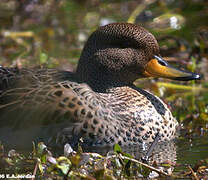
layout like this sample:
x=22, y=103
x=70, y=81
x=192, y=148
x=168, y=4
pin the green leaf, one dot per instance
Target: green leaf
x=64, y=168
x=40, y=166
x=63, y=164
x=117, y=148
x=43, y=58
x=75, y=159
x=41, y=147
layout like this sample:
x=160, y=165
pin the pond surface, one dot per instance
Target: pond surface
x=181, y=152
x=189, y=152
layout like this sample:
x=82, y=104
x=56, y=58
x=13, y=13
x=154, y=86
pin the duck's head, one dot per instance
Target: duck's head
x=120, y=53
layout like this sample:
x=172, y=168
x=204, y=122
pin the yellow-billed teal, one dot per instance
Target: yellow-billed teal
x=99, y=102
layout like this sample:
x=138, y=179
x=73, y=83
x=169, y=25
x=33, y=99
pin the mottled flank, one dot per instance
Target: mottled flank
x=97, y=103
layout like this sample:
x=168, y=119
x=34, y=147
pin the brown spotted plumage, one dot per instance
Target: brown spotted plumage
x=97, y=103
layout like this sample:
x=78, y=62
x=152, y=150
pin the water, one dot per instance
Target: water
x=189, y=152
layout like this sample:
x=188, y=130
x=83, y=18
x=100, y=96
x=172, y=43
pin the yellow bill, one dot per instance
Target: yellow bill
x=158, y=67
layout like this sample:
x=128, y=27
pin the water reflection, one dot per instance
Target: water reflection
x=189, y=151
x=163, y=152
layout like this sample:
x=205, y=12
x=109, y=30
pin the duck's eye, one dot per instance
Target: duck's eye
x=124, y=45
x=161, y=61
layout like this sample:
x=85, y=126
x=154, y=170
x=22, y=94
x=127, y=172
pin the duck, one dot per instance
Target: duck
x=98, y=103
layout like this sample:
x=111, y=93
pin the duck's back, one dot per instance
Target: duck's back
x=26, y=91
x=55, y=103
x=46, y=90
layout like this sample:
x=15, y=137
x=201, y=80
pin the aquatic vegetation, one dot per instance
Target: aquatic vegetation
x=41, y=163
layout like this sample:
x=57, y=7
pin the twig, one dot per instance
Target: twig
x=35, y=171
x=145, y=165
x=151, y=148
x=182, y=87
x=141, y=163
x=138, y=10
x=193, y=173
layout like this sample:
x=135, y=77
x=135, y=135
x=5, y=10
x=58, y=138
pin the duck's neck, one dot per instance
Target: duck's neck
x=99, y=80
x=101, y=83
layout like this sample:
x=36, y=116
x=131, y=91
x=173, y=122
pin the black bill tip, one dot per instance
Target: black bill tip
x=193, y=76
